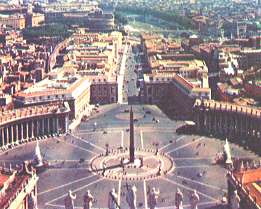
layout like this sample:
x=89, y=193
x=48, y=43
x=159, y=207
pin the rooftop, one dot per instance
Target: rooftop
x=22, y=113
x=250, y=180
x=12, y=183
x=226, y=106
x=66, y=85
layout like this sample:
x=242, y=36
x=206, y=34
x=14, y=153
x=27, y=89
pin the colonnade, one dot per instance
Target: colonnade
x=226, y=119
x=20, y=130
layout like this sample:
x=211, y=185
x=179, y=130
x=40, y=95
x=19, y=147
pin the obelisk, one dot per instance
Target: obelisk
x=131, y=137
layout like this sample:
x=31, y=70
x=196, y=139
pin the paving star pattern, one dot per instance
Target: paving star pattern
x=70, y=157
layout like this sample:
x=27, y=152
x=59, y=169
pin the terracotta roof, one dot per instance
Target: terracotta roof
x=250, y=180
x=3, y=179
x=13, y=188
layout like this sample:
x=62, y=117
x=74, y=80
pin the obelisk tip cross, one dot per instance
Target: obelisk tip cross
x=132, y=157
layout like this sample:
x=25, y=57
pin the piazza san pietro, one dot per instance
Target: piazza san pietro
x=130, y=104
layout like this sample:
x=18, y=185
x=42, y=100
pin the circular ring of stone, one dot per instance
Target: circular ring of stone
x=147, y=165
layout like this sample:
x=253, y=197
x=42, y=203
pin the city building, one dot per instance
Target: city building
x=176, y=78
x=34, y=19
x=246, y=181
x=97, y=56
x=17, y=21
x=88, y=13
x=22, y=64
x=18, y=189
x=88, y=75
x=249, y=58
x=57, y=87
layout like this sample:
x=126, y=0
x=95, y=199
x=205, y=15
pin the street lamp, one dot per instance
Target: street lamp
x=157, y=147
x=107, y=149
x=95, y=125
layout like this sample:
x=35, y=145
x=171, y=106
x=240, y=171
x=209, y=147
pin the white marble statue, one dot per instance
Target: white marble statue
x=227, y=153
x=153, y=197
x=87, y=200
x=131, y=197
x=179, y=199
x=113, y=200
x=32, y=201
x=69, y=200
x=235, y=201
x=38, y=160
x=194, y=199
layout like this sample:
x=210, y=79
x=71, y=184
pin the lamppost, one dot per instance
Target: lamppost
x=156, y=144
x=107, y=149
x=94, y=126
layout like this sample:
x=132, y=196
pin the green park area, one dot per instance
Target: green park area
x=50, y=30
x=167, y=19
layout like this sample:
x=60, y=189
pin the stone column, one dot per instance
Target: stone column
x=256, y=125
x=37, y=127
x=11, y=132
x=196, y=118
x=251, y=127
x=27, y=131
x=1, y=137
x=215, y=122
x=241, y=131
x=51, y=125
x=234, y=118
x=226, y=124
x=236, y=124
x=48, y=126
x=42, y=127
x=244, y=119
x=248, y=126
x=209, y=121
x=57, y=124
x=219, y=118
x=7, y=136
x=17, y=133
x=22, y=131
x=66, y=124
x=33, y=127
